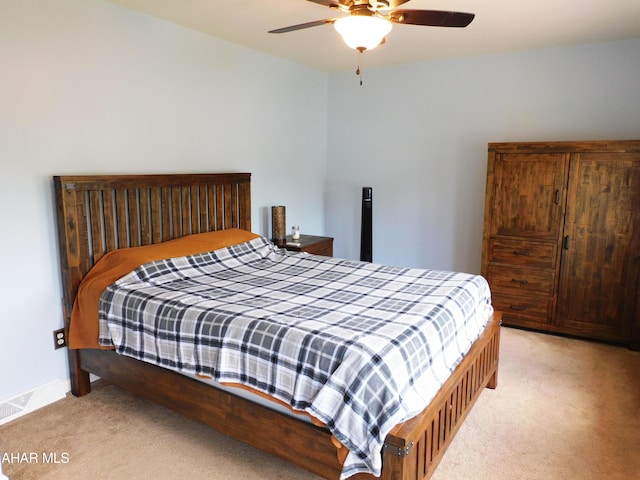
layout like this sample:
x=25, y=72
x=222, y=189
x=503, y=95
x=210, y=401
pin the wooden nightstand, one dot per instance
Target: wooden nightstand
x=311, y=244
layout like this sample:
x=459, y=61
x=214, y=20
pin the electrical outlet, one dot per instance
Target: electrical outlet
x=59, y=338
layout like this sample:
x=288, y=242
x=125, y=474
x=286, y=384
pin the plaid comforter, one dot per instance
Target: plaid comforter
x=359, y=346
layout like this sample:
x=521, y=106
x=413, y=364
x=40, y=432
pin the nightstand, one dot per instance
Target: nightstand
x=311, y=244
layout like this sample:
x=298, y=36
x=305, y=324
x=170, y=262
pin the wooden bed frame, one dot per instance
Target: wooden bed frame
x=97, y=214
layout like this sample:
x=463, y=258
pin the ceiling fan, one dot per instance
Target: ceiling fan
x=369, y=21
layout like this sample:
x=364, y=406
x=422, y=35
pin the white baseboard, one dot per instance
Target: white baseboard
x=27, y=402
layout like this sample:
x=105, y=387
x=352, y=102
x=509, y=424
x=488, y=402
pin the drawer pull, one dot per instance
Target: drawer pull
x=518, y=252
x=518, y=307
x=521, y=282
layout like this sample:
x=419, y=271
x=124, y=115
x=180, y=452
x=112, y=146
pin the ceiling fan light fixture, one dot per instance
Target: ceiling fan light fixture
x=362, y=32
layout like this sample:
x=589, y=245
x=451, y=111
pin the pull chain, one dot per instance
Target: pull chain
x=358, y=72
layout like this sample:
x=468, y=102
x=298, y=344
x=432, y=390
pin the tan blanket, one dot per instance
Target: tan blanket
x=84, y=327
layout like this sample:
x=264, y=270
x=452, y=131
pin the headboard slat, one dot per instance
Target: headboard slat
x=121, y=218
x=109, y=220
x=85, y=244
x=144, y=200
x=219, y=205
x=233, y=205
x=195, y=209
x=228, y=212
x=133, y=215
x=165, y=207
x=176, y=218
x=95, y=220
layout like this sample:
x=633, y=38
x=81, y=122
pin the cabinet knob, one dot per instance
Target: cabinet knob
x=518, y=252
x=521, y=282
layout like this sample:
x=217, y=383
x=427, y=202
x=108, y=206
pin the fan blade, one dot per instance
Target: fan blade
x=327, y=3
x=431, y=18
x=345, y=4
x=393, y=4
x=303, y=25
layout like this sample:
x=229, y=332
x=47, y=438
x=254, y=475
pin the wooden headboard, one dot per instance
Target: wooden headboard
x=100, y=213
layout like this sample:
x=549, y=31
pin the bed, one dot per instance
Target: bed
x=100, y=214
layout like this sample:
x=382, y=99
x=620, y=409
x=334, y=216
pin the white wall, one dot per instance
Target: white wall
x=418, y=134
x=90, y=87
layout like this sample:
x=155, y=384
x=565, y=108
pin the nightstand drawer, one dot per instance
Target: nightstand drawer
x=522, y=252
x=520, y=280
x=311, y=244
x=326, y=250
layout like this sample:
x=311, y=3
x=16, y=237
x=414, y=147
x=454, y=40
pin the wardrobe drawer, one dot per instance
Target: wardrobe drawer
x=522, y=252
x=524, y=310
x=520, y=279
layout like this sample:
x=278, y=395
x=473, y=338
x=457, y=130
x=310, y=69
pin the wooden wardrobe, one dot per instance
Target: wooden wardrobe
x=561, y=243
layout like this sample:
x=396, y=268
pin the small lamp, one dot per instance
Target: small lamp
x=278, y=225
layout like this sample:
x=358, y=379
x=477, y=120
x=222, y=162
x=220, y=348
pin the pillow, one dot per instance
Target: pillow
x=84, y=328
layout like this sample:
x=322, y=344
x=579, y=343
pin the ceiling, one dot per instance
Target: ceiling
x=499, y=26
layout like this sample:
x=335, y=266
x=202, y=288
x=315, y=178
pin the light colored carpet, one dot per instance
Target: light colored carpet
x=563, y=409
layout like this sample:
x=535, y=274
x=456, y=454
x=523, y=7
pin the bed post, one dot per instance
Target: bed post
x=493, y=379
x=80, y=382
x=68, y=239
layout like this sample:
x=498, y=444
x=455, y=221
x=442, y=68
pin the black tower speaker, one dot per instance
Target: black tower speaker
x=366, y=247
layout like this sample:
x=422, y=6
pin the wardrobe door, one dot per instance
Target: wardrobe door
x=600, y=263
x=527, y=195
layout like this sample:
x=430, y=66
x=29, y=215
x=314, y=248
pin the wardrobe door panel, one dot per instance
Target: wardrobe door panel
x=600, y=258
x=527, y=194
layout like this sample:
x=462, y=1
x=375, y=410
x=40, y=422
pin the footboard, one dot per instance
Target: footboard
x=414, y=448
